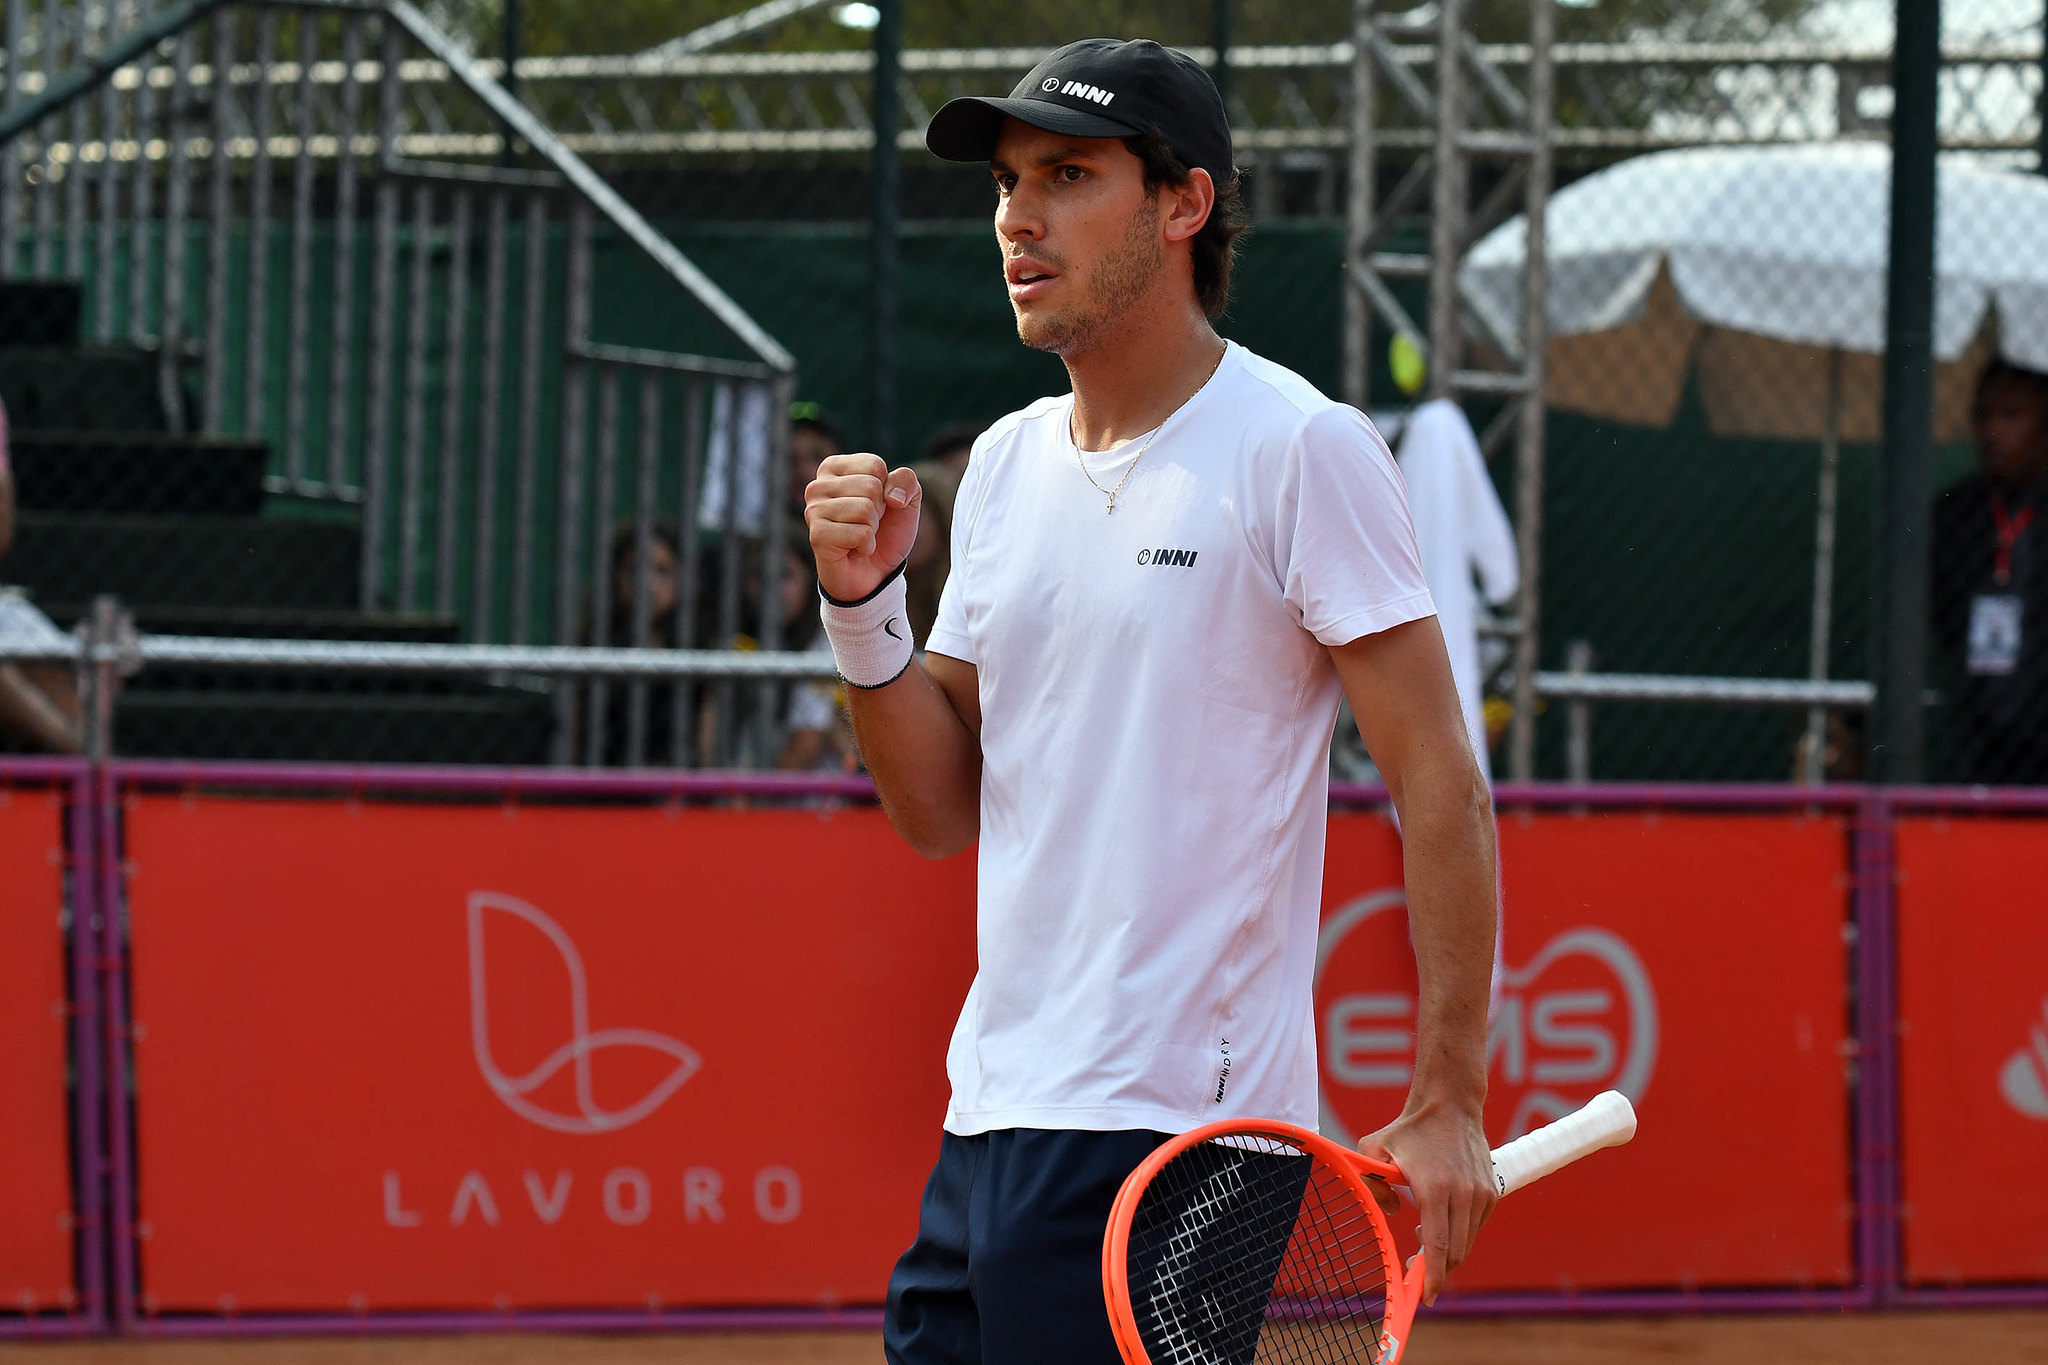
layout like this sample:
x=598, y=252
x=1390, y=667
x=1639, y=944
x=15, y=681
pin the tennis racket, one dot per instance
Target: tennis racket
x=1247, y=1241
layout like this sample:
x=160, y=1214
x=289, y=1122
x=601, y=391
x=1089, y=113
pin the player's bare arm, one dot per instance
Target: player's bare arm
x=1399, y=685
x=919, y=731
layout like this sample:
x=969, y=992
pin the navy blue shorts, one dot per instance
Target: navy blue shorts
x=1007, y=1266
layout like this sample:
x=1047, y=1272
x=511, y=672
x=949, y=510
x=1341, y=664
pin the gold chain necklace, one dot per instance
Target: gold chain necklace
x=1081, y=456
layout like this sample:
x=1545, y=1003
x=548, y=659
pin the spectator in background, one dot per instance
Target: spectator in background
x=949, y=448
x=812, y=437
x=1989, y=584
x=38, y=702
x=931, y=554
x=820, y=729
x=614, y=626
x=1841, y=755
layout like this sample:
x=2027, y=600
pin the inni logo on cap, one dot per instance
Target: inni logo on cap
x=1085, y=91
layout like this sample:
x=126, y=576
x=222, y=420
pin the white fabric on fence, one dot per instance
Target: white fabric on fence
x=742, y=427
x=1462, y=531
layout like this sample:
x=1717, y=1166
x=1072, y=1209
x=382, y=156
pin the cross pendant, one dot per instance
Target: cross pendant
x=1112, y=504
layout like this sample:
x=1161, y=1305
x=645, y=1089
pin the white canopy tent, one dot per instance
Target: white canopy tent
x=1763, y=271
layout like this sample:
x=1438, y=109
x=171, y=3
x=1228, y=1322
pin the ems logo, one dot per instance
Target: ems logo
x=1176, y=559
x=1577, y=1018
x=1083, y=91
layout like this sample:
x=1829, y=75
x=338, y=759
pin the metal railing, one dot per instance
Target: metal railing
x=244, y=192
x=106, y=652
x=130, y=648
x=107, y=649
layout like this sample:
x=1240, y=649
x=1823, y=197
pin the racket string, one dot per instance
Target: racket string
x=1248, y=1251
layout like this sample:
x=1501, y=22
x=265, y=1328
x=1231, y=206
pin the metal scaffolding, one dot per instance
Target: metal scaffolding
x=1478, y=115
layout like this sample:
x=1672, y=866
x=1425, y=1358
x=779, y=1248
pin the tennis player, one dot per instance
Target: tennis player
x=1161, y=582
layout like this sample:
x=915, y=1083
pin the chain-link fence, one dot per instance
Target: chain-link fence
x=296, y=346
x=1717, y=247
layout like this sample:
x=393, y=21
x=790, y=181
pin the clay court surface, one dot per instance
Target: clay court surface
x=1975, y=1338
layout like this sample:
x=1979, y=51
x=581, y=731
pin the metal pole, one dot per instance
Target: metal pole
x=412, y=450
x=74, y=169
x=1895, y=752
x=89, y=1088
x=1578, y=658
x=107, y=626
x=177, y=209
x=576, y=303
x=383, y=289
x=645, y=488
x=683, y=701
x=1358, y=208
x=10, y=158
x=255, y=347
x=482, y=590
x=603, y=592
x=725, y=417
x=1531, y=421
x=514, y=26
x=526, y=473
x=888, y=119
x=338, y=391
x=219, y=228
x=1220, y=26
x=454, y=370
x=49, y=57
x=1447, y=202
x=2041, y=106
x=299, y=286
x=769, y=711
x=140, y=214
x=1815, y=767
x=109, y=178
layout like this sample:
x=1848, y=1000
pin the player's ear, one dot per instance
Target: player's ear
x=1190, y=203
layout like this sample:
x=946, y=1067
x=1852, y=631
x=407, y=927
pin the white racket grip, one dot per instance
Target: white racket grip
x=1607, y=1120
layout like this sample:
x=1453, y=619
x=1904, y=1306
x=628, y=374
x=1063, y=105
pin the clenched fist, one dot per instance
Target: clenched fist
x=863, y=519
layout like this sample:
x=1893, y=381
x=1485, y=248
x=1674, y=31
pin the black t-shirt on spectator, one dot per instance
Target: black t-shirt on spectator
x=2000, y=718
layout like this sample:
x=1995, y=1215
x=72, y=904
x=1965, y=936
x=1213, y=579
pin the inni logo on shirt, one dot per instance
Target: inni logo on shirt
x=1173, y=559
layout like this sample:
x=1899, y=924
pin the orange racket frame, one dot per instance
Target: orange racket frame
x=1608, y=1120
x=1404, y=1291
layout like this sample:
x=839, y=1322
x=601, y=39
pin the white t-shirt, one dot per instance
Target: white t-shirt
x=1157, y=703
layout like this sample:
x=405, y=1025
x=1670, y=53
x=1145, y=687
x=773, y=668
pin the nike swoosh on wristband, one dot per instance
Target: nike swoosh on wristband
x=889, y=629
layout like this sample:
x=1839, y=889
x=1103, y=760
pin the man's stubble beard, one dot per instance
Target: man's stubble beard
x=1122, y=278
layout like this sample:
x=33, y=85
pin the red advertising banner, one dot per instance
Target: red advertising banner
x=1695, y=963
x=35, y=1160
x=410, y=1056
x=1973, y=1048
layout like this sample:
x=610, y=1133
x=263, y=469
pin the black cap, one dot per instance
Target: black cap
x=1099, y=87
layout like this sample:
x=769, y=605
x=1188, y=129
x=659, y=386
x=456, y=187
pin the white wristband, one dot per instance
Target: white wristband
x=870, y=638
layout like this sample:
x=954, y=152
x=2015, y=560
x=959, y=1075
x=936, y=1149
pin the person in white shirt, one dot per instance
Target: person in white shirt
x=38, y=701
x=1161, y=583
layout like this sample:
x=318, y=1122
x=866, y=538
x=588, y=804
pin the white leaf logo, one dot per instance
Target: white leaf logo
x=582, y=1047
x=2025, y=1077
